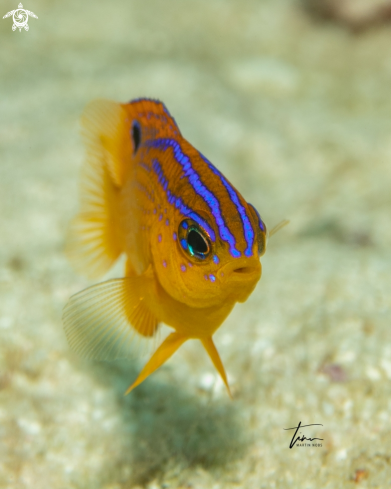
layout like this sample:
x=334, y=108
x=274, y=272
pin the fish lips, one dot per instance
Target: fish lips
x=240, y=277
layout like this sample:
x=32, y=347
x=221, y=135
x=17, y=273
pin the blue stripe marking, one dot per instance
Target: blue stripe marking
x=201, y=190
x=145, y=166
x=261, y=223
x=177, y=201
x=145, y=99
x=247, y=227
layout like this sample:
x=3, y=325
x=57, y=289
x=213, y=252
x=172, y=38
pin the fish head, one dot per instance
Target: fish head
x=200, y=265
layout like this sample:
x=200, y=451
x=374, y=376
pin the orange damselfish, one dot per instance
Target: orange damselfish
x=191, y=240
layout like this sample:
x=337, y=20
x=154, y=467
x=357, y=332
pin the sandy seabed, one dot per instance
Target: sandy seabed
x=296, y=112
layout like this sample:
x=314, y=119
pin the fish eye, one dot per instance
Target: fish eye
x=193, y=239
x=197, y=243
x=136, y=136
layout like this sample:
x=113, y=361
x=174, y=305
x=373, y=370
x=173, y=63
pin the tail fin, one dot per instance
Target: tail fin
x=93, y=242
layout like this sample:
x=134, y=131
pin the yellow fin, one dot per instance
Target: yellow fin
x=215, y=357
x=161, y=355
x=106, y=135
x=93, y=242
x=91, y=246
x=97, y=320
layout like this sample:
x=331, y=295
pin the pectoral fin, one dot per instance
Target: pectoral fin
x=161, y=355
x=102, y=321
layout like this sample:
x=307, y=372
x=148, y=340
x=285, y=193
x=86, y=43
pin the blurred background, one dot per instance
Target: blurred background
x=290, y=100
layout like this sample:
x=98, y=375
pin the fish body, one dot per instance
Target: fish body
x=191, y=240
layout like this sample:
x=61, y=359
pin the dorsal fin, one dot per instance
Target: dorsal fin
x=106, y=135
x=93, y=242
x=153, y=117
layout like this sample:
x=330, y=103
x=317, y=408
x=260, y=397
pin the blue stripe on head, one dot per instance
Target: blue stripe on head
x=260, y=222
x=202, y=191
x=178, y=203
x=247, y=227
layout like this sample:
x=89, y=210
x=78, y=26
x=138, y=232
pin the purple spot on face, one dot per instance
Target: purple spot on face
x=206, y=277
x=190, y=264
x=212, y=278
x=165, y=211
x=167, y=222
x=164, y=263
x=159, y=238
x=184, y=225
x=154, y=211
x=184, y=244
x=174, y=236
x=216, y=259
x=183, y=268
x=160, y=217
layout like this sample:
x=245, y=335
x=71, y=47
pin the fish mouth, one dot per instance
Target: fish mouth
x=243, y=269
x=240, y=277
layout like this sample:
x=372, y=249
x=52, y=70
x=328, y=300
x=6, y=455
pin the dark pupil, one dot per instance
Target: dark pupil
x=196, y=242
x=136, y=135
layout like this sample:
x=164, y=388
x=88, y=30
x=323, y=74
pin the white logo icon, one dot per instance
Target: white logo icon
x=20, y=17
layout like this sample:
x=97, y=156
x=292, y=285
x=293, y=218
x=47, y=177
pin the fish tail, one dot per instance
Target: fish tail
x=94, y=241
x=161, y=355
x=215, y=357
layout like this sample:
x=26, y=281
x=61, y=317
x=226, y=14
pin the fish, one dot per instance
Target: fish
x=191, y=241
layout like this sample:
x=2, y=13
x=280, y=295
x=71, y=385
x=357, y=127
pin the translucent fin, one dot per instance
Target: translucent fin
x=215, y=357
x=106, y=135
x=141, y=318
x=161, y=355
x=102, y=321
x=91, y=245
x=93, y=242
x=278, y=226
